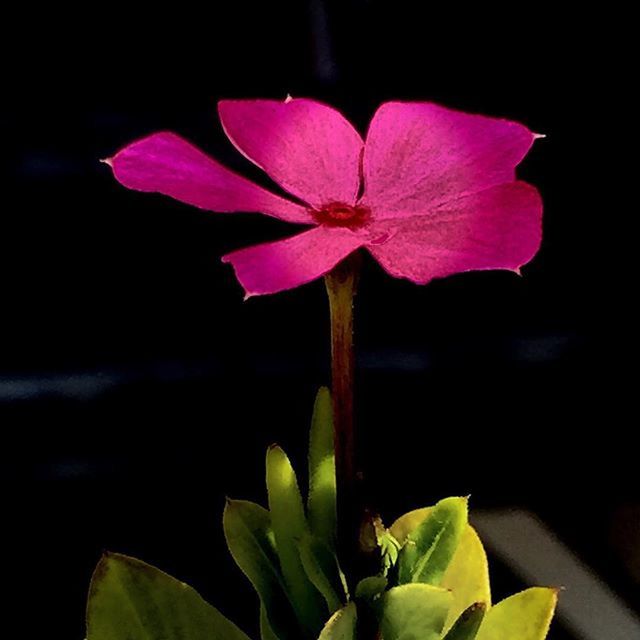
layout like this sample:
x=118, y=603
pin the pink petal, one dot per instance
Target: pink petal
x=306, y=147
x=499, y=228
x=166, y=163
x=284, y=264
x=419, y=154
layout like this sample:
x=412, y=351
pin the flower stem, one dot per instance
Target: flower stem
x=341, y=285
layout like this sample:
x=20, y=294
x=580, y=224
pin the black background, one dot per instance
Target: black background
x=137, y=389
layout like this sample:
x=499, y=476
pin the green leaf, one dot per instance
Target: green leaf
x=290, y=526
x=247, y=529
x=371, y=588
x=430, y=547
x=321, y=566
x=342, y=625
x=321, y=504
x=266, y=632
x=131, y=600
x=525, y=616
x=414, y=612
x=468, y=624
x=468, y=573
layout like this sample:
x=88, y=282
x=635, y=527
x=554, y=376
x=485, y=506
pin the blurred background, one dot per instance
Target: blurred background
x=137, y=389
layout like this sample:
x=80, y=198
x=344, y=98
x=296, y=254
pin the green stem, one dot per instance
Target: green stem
x=341, y=285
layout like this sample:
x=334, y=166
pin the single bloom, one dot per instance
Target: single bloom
x=429, y=192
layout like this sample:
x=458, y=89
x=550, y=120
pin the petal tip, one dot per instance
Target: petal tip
x=288, y=99
x=108, y=161
x=539, y=136
x=227, y=259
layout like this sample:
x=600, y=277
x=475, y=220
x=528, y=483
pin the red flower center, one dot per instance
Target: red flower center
x=337, y=214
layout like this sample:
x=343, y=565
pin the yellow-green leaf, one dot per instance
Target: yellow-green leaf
x=524, y=616
x=414, y=611
x=131, y=600
x=247, y=529
x=289, y=526
x=321, y=566
x=467, y=576
x=342, y=625
x=321, y=503
x=429, y=548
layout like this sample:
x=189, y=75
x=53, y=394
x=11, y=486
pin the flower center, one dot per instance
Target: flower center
x=337, y=214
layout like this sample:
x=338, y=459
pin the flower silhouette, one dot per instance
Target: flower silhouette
x=430, y=191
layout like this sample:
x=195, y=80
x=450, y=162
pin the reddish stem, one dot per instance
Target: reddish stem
x=341, y=285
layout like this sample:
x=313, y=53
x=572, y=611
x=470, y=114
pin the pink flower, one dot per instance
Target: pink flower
x=429, y=193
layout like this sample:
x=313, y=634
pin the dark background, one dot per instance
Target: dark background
x=137, y=389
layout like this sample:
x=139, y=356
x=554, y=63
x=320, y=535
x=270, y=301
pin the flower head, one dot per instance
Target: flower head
x=430, y=191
